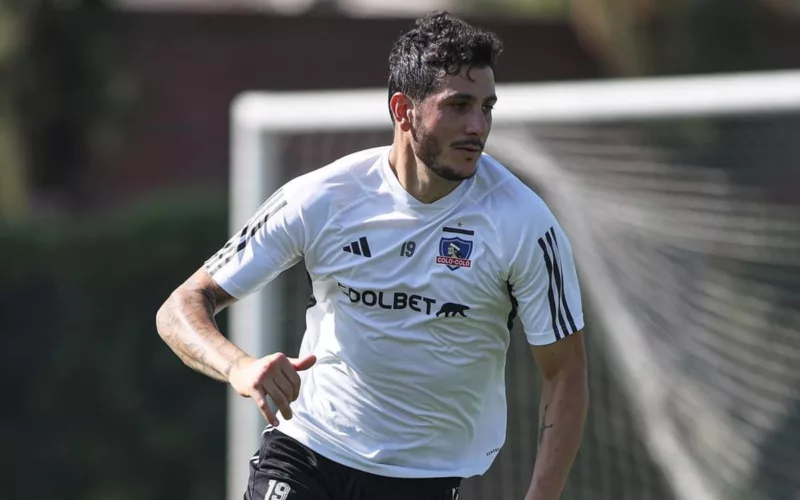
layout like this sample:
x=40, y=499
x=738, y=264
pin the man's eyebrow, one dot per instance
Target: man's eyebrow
x=469, y=97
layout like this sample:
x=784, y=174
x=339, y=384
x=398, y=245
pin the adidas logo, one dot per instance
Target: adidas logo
x=360, y=247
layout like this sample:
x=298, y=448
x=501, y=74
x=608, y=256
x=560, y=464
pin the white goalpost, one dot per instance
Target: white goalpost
x=581, y=174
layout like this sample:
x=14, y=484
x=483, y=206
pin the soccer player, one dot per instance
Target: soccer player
x=420, y=256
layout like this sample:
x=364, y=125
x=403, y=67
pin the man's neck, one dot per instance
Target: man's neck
x=416, y=178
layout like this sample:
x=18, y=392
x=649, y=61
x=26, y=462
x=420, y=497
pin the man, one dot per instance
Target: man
x=420, y=256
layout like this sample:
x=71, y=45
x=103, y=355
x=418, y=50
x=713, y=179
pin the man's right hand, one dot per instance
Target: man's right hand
x=274, y=376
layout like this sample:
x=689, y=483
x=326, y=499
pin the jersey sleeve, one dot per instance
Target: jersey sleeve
x=544, y=283
x=272, y=241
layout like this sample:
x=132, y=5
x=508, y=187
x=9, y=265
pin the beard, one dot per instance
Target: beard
x=429, y=150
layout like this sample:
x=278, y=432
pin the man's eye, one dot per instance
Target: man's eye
x=461, y=106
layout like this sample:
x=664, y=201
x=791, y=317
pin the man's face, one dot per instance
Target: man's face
x=453, y=123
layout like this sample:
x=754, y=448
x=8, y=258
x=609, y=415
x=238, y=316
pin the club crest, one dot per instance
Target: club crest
x=454, y=253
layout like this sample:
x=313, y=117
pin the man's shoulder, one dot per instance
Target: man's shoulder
x=498, y=187
x=518, y=213
x=343, y=179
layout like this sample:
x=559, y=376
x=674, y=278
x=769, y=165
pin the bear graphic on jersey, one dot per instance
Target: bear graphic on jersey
x=450, y=309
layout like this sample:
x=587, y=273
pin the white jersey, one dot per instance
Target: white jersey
x=413, y=306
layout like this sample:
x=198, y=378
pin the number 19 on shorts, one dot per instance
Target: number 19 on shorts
x=277, y=490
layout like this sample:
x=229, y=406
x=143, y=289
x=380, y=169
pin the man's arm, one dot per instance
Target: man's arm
x=186, y=323
x=562, y=413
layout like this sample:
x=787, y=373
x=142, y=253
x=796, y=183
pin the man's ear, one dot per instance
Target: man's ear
x=402, y=109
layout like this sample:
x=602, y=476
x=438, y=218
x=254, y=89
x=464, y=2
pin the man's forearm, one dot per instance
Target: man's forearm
x=186, y=323
x=562, y=413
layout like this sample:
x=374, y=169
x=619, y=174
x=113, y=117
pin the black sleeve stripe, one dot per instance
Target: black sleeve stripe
x=223, y=256
x=270, y=207
x=221, y=263
x=560, y=278
x=559, y=283
x=550, y=294
x=228, y=252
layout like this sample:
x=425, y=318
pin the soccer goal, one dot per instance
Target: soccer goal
x=682, y=200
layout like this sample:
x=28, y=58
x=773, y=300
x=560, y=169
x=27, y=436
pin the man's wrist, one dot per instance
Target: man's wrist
x=235, y=363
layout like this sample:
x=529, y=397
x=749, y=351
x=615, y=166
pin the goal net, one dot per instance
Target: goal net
x=680, y=197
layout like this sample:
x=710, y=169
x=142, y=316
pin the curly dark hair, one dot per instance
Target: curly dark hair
x=439, y=44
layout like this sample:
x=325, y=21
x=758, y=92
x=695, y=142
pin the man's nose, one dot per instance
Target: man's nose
x=477, y=124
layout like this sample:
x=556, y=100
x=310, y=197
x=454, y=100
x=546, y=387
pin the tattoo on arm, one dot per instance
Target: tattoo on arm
x=186, y=323
x=543, y=426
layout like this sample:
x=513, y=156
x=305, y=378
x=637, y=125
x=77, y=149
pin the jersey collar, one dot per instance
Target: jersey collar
x=400, y=193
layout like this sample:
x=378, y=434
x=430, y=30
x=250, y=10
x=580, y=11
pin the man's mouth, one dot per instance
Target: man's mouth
x=471, y=149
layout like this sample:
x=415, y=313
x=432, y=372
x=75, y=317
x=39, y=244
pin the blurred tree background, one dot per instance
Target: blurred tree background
x=100, y=408
x=64, y=93
x=652, y=37
x=649, y=37
x=13, y=188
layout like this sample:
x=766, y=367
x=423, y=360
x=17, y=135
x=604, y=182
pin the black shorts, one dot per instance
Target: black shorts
x=284, y=469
